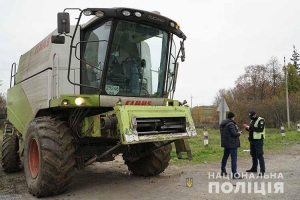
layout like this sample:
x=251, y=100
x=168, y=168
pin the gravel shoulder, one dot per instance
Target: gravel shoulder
x=111, y=180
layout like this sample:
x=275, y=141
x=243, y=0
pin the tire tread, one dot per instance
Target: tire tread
x=152, y=164
x=58, y=159
x=10, y=155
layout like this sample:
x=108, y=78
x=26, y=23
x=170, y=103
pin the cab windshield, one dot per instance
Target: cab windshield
x=137, y=61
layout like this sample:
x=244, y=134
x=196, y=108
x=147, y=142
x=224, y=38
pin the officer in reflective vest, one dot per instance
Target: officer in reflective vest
x=256, y=138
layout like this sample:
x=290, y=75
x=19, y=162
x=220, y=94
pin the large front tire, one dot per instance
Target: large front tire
x=10, y=154
x=49, y=156
x=153, y=164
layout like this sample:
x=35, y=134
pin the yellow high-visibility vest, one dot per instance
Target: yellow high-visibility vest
x=257, y=135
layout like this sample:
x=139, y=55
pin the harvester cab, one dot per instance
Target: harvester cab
x=94, y=90
x=124, y=52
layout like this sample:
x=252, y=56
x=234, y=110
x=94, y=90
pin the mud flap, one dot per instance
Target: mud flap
x=183, y=146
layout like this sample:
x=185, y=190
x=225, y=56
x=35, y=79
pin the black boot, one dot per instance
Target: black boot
x=223, y=173
x=252, y=170
x=254, y=165
x=261, y=174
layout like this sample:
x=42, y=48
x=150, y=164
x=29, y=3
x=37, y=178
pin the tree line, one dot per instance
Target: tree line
x=263, y=88
x=2, y=105
x=2, y=98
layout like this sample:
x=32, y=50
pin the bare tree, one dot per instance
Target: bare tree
x=275, y=73
x=219, y=96
x=255, y=83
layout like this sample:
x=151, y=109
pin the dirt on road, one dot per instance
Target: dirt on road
x=112, y=180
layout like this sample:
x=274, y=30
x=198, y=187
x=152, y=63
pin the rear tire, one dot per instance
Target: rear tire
x=49, y=156
x=152, y=164
x=10, y=154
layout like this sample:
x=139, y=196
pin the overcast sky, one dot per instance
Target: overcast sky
x=223, y=36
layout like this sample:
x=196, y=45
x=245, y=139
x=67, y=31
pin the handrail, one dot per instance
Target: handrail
x=57, y=74
x=13, y=67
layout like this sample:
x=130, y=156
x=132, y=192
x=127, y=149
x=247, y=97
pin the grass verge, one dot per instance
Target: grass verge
x=214, y=151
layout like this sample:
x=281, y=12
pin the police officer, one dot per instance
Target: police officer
x=256, y=131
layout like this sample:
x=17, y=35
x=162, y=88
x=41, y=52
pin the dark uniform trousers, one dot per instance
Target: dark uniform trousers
x=257, y=152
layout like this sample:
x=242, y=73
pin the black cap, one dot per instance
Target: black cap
x=230, y=115
x=251, y=113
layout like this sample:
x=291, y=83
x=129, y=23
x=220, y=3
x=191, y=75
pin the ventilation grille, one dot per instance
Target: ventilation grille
x=153, y=126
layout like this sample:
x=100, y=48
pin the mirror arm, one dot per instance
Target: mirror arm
x=67, y=35
x=175, y=76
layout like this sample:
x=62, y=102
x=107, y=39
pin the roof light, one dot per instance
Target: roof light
x=138, y=14
x=126, y=13
x=156, y=12
x=99, y=13
x=87, y=12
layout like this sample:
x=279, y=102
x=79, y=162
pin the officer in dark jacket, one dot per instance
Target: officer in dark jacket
x=256, y=138
x=230, y=141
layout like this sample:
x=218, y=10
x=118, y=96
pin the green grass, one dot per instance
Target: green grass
x=214, y=151
x=1, y=132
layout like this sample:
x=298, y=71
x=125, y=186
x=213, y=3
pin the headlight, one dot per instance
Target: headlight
x=65, y=102
x=79, y=101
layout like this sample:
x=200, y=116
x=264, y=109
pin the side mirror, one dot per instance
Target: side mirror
x=63, y=23
x=56, y=39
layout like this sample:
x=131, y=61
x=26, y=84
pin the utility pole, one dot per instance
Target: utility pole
x=287, y=95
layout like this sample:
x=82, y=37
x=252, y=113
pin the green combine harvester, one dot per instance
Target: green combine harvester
x=90, y=91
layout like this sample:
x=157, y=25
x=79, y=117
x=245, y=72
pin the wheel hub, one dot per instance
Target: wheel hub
x=34, y=159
